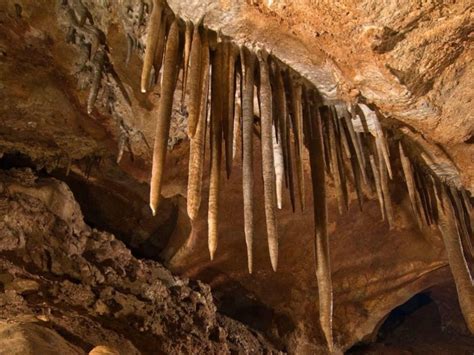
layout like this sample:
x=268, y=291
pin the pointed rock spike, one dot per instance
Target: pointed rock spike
x=170, y=74
x=248, y=69
x=268, y=170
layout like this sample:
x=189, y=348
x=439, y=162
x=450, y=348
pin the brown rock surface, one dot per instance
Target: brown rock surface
x=92, y=291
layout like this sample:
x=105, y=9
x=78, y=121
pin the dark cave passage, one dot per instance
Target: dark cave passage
x=416, y=327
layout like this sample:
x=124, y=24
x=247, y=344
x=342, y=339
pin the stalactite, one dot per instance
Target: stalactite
x=372, y=123
x=279, y=166
x=326, y=144
x=285, y=123
x=357, y=147
x=248, y=70
x=194, y=84
x=160, y=47
x=237, y=115
x=230, y=114
x=130, y=45
x=422, y=193
x=335, y=163
x=217, y=110
x=340, y=160
x=188, y=39
x=297, y=115
x=378, y=187
x=151, y=40
x=170, y=75
x=99, y=61
x=321, y=241
x=267, y=159
x=410, y=182
x=457, y=262
x=357, y=182
x=461, y=222
x=387, y=201
x=198, y=142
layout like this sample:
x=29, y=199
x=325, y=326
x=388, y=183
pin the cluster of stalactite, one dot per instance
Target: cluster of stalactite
x=95, y=69
x=220, y=82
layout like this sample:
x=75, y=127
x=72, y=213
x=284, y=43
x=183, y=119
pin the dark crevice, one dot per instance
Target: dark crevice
x=112, y=208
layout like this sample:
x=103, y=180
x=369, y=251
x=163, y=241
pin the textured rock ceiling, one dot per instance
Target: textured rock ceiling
x=410, y=61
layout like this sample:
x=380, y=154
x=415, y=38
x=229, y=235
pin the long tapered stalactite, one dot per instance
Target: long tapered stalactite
x=198, y=142
x=268, y=169
x=229, y=115
x=321, y=241
x=457, y=261
x=163, y=121
x=297, y=119
x=217, y=110
x=248, y=70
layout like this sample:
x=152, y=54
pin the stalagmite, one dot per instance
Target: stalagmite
x=279, y=166
x=170, y=75
x=457, y=262
x=267, y=159
x=410, y=182
x=217, y=110
x=248, y=70
x=378, y=187
x=198, y=143
x=188, y=39
x=296, y=93
x=321, y=241
x=194, y=84
x=151, y=40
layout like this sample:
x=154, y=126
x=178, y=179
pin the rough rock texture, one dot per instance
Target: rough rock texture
x=413, y=60
x=67, y=288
